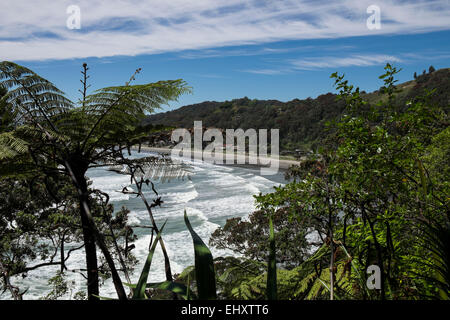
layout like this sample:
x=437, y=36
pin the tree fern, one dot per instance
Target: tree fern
x=11, y=146
x=61, y=136
x=31, y=95
x=122, y=108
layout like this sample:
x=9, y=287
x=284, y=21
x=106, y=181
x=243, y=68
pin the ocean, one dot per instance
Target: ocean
x=213, y=194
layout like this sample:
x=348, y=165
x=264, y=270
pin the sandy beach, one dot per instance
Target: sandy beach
x=240, y=159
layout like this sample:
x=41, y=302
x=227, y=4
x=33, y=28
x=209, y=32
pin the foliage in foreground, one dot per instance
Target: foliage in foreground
x=375, y=194
x=50, y=135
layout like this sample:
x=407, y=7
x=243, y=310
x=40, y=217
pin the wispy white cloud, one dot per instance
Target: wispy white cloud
x=36, y=30
x=257, y=51
x=326, y=62
x=220, y=53
x=348, y=61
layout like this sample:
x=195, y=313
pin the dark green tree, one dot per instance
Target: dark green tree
x=40, y=226
x=249, y=238
x=378, y=179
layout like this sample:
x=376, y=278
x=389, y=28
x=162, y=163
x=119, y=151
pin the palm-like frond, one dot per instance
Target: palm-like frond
x=135, y=98
x=105, y=117
x=11, y=145
x=17, y=167
x=29, y=94
x=154, y=169
x=15, y=156
x=122, y=108
x=15, y=160
x=74, y=124
x=437, y=243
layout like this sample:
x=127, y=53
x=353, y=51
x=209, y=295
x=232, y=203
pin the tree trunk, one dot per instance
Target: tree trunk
x=63, y=266
x=331, y=267
x=89, y=240
x=77, y=169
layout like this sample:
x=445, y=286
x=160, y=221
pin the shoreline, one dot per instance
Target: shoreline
x=283, y=164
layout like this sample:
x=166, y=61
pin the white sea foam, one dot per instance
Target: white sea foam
x=180, y=197
x=112, y=184
x=214, y=194
x=134, y=218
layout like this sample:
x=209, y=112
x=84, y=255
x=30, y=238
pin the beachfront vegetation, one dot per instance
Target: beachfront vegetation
x=302, y=123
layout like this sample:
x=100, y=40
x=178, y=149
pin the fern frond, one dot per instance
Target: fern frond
x=124, y=107
x=11, y=146
x=155, y=169
x=29, y=94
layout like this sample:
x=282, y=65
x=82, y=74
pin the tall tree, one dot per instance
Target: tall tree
x=60, y=136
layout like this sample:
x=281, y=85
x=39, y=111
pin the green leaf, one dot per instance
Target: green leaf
x=204, y=266
x=139, y=292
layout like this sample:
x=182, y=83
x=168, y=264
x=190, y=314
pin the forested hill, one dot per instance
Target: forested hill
x=301, y=122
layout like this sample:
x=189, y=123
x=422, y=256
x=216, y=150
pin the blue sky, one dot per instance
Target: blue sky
x=261, y=49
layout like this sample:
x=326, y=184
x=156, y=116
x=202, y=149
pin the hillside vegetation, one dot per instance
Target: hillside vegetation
x=302, y=123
